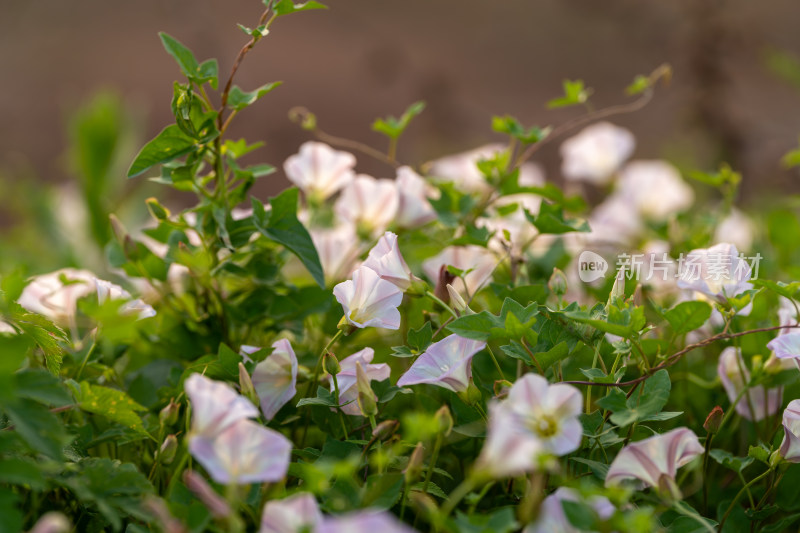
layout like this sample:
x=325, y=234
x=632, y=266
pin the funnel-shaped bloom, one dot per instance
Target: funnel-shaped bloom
x=56, y=294
x=553, y=519
x=319, y=170
x=655, y=460
x=347, y=378
x=717, y=272
x=368, y=204
x=447, y=364
x=790, y=447
x=414, y=208
x=369, y=301
x=215, y=406
x=134, y=306
x=337, y=249
x=294, y=514
x=365, y=521
x=275, y=378
x=387, y=261
x=244, y=452
x=786, y=346
x=655, y=189
x=757, y=404
x=510, y=448
x=596, y=153
x=550, y=412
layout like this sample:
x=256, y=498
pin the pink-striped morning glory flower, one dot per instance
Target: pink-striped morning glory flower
x=535, y=419
x=56, y=294
x=596, y=153
x=369, y=204
x=346, y=378
x=244, y=452
x=295, y=514
x=756, y=404
x=338, y=250
x=110, y=291
x=319, y=170
x=387, y=261
x=447, y=364
x=366, y=521
x=790, y=447
x=215, y=406
x=655, y=189
x=275, y=378
x=414, y=208
x=552, y=518
x=786, y=346
x=510, y=449
x=655, y=461
x=715, y=273
x=369, y=301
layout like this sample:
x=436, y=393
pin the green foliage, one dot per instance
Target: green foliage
x=575, y=93
x=393, y=127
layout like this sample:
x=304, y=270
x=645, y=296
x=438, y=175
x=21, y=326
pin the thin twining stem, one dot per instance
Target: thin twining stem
x=674, y=358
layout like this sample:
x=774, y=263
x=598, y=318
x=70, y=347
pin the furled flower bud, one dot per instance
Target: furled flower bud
x=714, y=420
x=501, y=388
x=775, y=458
x=557, y=283
x=385, y=429
x=414, y=468
x=367, y=401
x=445, y=419
x=169, y=414
x=218, y=507
x=445, y=278
x=246, y=385
x=457, y=301
x=166, y=454
x=331, y=364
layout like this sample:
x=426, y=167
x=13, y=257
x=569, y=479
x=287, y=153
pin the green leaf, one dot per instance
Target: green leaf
x=420, y=339
x=170, y=144
x=286, y=7
x=501, y=520
x=513, y=322
x=113, y=404
x=759, y=453
x=550, y=219
x=511, y=126
x=688, y=316
x=639, y=407
x=393, y=127
x=21, y=472
x=37, y=426
x=600, y=470
x=580, y=515
x=728, y=460
x=324, y=397
x=198, y=73
x=239, y=99
x=574, y=94
x=284, y=228
x=42, y=387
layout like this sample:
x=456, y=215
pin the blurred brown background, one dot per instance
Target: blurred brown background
x=468, y=59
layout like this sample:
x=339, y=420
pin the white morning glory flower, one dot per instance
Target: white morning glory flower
x=369, y=301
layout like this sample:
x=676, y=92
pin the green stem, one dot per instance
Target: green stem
x=496, y=364
x=86, y=357
x=436, y=299
x=739, y=495
x=691, y=513
x=457, y=495
x=432, y=463
x=338, y=407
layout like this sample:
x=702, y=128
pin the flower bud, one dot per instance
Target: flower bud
x=246, y=385
x=52, y=522
x=456, y=300
x=775, y=459
x=218, y=507
x=557, y=283
x=501, y=388
x=714, y=420
x=367, y=401
x=424, y=505
x=117, y=228
x=385, y=429
x=445, y=279
x=169, y=414
x=758, y=365
x=331, y=364
x=472, y=395
x=158, y=211
x=414, y=468
x=445, y=420
x=618, y=289
x=166, y=454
